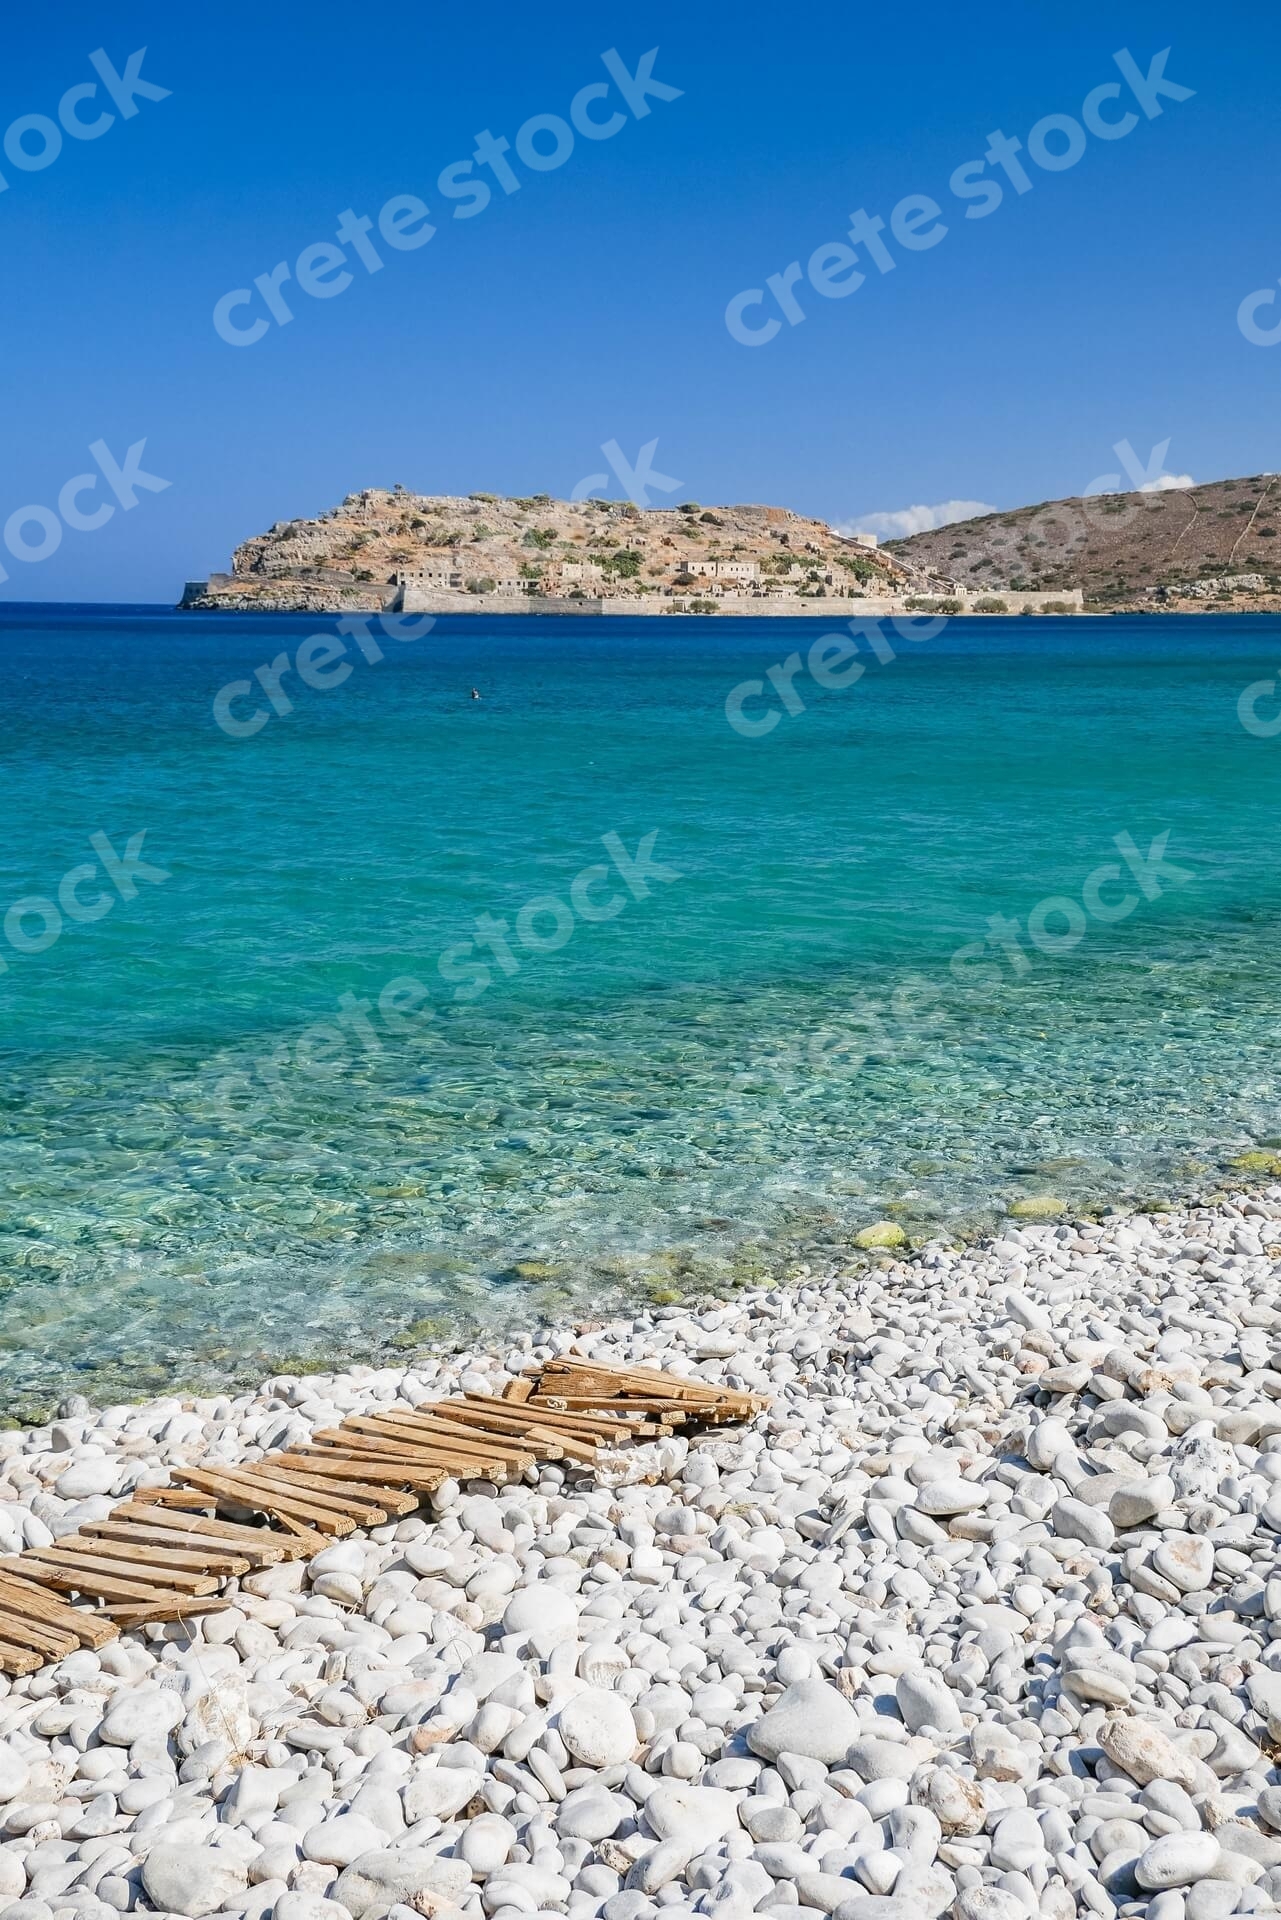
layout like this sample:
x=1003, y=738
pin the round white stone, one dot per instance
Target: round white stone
x=598, y=1728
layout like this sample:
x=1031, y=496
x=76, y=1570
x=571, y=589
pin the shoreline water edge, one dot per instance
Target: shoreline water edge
x=980, y=1618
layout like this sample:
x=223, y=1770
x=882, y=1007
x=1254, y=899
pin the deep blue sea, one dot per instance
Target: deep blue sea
x=409, y=1044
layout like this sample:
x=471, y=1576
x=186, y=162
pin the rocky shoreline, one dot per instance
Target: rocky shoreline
x=982, y=1619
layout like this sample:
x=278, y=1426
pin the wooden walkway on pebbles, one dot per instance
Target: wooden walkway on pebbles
x=165, y=1552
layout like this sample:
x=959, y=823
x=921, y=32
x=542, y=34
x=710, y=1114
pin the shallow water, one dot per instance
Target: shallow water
x=723, y=1078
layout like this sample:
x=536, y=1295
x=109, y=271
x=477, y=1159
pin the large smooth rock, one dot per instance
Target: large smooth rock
x=380, y=1880
x=592, y=1813
x=85, y=1478
x=439, y=1792
x=181, y=1878
x=598, y=1728
x=1144, y=1752
x=925, y=1700
x=1177, y=1860
x=141, y=1713
x=1186, y=1560
x=544, y=1614
x=337, y=1842
x=812, y=1719
x=678, y=1811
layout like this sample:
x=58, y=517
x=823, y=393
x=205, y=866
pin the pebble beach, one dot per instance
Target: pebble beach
x=981, y=1619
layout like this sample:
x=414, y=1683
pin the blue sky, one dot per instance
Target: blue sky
x=1001, y=365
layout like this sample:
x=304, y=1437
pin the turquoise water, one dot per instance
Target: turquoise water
x=724, y=1078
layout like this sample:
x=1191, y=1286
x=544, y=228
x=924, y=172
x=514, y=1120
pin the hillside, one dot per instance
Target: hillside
x=448, y=549
x=1190, y=549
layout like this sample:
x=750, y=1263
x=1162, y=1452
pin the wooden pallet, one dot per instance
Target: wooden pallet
x=166, y=1553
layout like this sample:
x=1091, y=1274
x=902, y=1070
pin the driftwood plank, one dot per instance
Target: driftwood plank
x=355, y=1503
x=91, y=1559
x=146, y=1546
x=38, y=1603
x=242, y=1491
x=51, y=1642
x=106, y=1586
x=385, y=1478
x=19, y=1660
x=424, y=1428
x=258, y=1544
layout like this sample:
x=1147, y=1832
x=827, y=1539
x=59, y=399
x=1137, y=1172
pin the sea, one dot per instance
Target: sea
x=523, y=969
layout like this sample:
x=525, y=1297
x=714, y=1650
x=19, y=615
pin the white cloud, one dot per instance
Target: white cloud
x=1167, y=482
x=908, y=520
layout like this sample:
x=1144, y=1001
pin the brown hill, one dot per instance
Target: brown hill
x=1193, y=549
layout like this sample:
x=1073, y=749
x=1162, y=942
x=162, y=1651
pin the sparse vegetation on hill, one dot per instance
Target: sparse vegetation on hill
x=1193, y=548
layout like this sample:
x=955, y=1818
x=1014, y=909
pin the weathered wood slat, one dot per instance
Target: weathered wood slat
x=258, y=1544
x=335, y=1498
x=146, y=1545
x=359, y=1470
x=626, y=1420
x=50, y=1642
x=240, y=1490
x=90, y=1559
x=105, y=1586
x=19, y=1660
x=37, y=1603
x=424, y=1428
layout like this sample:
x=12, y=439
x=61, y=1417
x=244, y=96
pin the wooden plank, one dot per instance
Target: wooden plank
x=183, y=1609
x=333, y=1473
x=147, y=1545
x=584, y=1451
x=422, y=1428
x=167, y=1497
x=435, y=1459
x=240, y=1491
x=90, y=1558
x=518, y=1389
x=364, y=1470
x=255, y=1543
x=43, y=1606
x=355, y=1503
x=105, y=1586
x=480, y=1433
x=576, y=1423
x=51, y=1642
x=373, y=1447
x=472, y=1460
x=572, y=1398
x=19, y=1660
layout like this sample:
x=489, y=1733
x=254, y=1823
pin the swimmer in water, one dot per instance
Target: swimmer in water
x=475, y=693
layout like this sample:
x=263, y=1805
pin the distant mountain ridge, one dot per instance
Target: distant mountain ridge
x=1186, y=549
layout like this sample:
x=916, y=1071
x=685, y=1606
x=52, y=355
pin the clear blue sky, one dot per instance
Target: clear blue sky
x=589, y=305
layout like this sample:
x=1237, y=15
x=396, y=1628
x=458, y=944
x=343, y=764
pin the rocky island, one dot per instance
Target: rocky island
x=383, y=550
